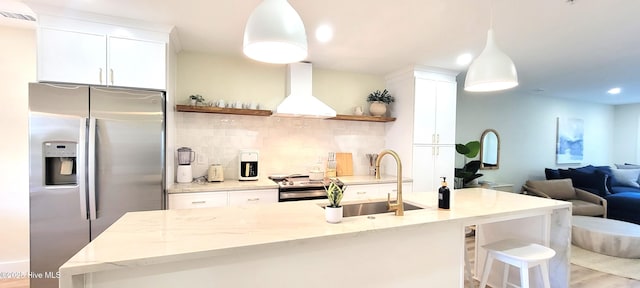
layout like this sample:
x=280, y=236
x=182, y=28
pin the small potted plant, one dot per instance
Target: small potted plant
x=379, y=101
x=333, y=211
x=195, y=99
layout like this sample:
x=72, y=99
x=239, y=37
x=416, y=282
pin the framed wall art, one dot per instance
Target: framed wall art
x=570, y=141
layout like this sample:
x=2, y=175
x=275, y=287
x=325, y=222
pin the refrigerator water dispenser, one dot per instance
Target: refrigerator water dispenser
x=60, y=163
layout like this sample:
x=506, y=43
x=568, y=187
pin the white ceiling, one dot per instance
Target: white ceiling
x=566, y=49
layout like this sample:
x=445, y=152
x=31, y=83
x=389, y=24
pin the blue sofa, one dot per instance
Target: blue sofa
x=619, y=185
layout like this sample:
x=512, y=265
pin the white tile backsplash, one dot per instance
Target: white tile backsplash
x=286, y=145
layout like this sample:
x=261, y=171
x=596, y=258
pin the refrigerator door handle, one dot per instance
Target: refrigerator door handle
x=92, y=169
x=82, y=166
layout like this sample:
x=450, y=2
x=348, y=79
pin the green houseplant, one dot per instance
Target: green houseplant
x=333, y=211
x=196, y=98
x=378, y=102
x=469, y=171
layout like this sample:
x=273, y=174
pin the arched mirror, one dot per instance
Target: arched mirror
x=489, y=149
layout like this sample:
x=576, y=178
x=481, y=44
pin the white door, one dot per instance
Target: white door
x=425, y=112
x=71, y=57
x=423, y=168
x=136, y=63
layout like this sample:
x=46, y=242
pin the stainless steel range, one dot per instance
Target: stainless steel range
x=298, y=187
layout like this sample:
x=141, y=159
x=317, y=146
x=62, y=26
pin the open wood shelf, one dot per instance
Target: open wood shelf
x=253, y=112
x=210, y=109
x=363, y=118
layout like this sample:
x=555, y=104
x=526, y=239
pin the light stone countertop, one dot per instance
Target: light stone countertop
x=265, y=183
x=166, y=236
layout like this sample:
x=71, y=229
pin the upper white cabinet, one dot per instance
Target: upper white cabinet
x=95, y=53
x=136, y=63
x=72, y=57
x=435, y=104
x=85, y=58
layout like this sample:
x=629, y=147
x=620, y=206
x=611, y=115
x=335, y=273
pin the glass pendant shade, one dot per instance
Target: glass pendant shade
x=275, y=34
x=492, y=70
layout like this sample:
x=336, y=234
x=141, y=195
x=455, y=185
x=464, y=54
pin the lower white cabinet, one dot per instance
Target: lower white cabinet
x=238, y=198
x=198, y=200
x=221, y=198
x=374, y=191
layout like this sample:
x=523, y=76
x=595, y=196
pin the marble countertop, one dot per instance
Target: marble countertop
x=265, y=183
x=163, y=236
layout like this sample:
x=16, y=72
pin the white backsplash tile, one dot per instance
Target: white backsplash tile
x=286, y=145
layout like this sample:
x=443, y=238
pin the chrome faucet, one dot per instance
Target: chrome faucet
x=398, y=207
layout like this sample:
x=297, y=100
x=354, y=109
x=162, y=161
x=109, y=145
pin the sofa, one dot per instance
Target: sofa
x=618, y=184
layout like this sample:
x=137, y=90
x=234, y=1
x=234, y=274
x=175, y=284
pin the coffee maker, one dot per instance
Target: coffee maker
x=184, y=172
x=248, y=163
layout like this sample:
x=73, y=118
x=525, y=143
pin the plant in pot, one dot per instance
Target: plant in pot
x=469, y=172
x=333, y=211
x=196, y=99
x=379, y=101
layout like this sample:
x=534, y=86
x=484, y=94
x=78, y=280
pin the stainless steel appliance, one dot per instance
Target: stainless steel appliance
x=95, y=153
x=248, y=165
x=298, y=187
x=184, y=174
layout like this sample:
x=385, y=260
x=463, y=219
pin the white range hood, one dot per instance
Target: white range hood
x=300, y=102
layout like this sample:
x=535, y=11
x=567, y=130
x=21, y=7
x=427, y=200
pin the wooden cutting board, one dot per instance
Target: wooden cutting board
x=344, y=164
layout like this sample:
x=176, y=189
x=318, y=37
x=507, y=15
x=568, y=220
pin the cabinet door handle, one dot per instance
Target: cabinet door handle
x=100, y=76
x=433, y=138
x=437, y=151
x=433, y=151
x=198, y=202
x=437, y=138
x=253, y=199
x=111, y=75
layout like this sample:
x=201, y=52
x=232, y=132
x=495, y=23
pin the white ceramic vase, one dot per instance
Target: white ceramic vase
x=332, y=214
x=377, y=108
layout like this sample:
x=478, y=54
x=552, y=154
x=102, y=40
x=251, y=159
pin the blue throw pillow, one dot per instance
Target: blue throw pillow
x=552, y=174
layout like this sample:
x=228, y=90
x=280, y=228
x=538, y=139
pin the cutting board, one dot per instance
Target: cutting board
x=344, y=164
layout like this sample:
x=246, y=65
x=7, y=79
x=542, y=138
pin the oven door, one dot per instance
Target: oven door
x=297, y=195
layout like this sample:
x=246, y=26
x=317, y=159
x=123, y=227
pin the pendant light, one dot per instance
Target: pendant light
x=275, y=34
x=492, y=70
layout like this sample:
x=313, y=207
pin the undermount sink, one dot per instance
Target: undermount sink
x=368, y=208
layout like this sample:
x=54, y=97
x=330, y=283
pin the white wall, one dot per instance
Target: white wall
x=18, y=58
x=626, y=134
x=526, y=125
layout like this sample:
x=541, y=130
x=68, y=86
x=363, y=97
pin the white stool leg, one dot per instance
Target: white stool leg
x=544, y=269
x=487, y=269
x=505, y=275
x=524, y=275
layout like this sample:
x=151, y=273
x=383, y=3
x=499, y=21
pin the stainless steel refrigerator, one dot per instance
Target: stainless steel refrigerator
x=95, y=154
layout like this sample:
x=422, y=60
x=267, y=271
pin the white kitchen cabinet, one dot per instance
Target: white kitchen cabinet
x=424, y=132
x=247, y=197
x=136, y=63
x=374, y=191
x=198, y=200
x=435, y=112
x=430, y=163
x=72, y=57
x=99, y=59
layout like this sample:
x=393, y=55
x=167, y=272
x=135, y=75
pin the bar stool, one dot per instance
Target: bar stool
x=521, y=254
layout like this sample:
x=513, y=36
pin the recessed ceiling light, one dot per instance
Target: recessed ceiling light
x=464, y=59
x=614, y=91
x=324, y=33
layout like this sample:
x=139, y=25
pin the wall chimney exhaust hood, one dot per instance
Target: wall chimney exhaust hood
x=300, y=102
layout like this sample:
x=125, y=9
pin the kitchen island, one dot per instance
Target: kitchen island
x=290, y=245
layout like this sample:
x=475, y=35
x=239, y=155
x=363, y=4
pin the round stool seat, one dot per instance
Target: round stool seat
x=521, y=254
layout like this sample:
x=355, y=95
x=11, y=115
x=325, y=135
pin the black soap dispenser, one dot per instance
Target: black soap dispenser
x=444, y=195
